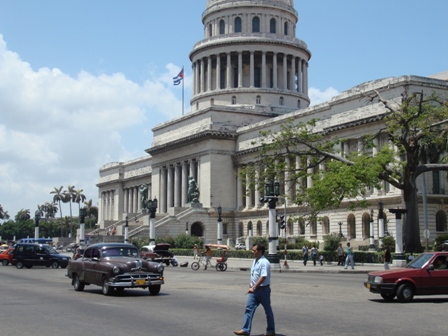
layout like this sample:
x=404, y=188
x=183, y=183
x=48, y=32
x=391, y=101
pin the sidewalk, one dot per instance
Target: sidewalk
x=294, y=266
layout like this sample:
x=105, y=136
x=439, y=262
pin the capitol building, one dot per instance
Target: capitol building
x=250, y=74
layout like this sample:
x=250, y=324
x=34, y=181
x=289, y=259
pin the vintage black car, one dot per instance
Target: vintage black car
x=114, y=267
x=158, y=253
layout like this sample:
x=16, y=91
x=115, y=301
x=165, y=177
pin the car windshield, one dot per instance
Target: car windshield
x=420, y=261
x=120, y=252
x=50, y=250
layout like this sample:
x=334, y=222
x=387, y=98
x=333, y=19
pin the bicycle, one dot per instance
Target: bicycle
x=221, y=264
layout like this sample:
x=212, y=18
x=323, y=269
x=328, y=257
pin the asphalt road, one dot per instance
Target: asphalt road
x=42, y=301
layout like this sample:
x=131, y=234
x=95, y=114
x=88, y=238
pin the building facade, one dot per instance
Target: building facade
x=250, y=73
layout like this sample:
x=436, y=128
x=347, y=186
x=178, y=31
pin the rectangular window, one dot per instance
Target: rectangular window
x=257, y=77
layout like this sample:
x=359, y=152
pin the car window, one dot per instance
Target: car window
x=88, y=253
x=120, y=252
x=40, y=250
x=420, y=261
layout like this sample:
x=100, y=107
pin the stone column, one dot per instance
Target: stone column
x=131, y=204
x=163, y=174
x=309, y=180
x=285, y=72
x=240, y=69
x=239, y=190
x=299, y=75
x=251, y=69
x=263, y=70
x=170, y=187
x=257, y=191
x=228, y=71
x=274, y=67
x=218, y=72
x=126, y=200
x=293, y=74
x=177, y=186
x=248, y=193
x=209, y=73
x=202, y=76
x=184, y=183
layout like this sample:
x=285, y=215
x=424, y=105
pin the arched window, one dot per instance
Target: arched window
x=325, y=225
x=258, y=100
x=222, y=27
x=256, y=24
x=197, y=229
x=285, y=29
x=290, y=227
x=233, y=100
x=210, y=30
x=301, y=226
x=440, y=220
x=273, y=26
x=259, y=228
x=365, y=226
x=249, y=229
x=281, y=101
x=313, y=226
x=240, y=229
x=238, y=25
x=351, y=226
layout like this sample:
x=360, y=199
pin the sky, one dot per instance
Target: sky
x=83, y=82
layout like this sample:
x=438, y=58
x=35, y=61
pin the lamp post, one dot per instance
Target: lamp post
x=219, y=225
x=340, y=230
x=380, y=224
x=82, y=225
x=36, y=225
x=399, y=256
x=372, y=241
x=126, y=230
x=272, y=191
x=152, y=207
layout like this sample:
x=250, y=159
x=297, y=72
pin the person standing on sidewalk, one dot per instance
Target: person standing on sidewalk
x=349, y=257
x=387, y=258
x=195, y=251
x=340, y=252
x=305, y=254
x=259, y=292
x=314, y=254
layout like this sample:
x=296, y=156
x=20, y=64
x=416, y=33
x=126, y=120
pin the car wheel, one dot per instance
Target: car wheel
x=167, y=262
x=221, y=267
x=19, y=265
x=78, y=285
x=195, y=266
x=155, y=289
x=405, y=293
x=54, y=264
x=388, y=297
x=5, y=262
x=106, y=289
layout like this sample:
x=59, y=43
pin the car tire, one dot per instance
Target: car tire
x=5, y=262
x=54, y=264
x=19, y=265
x=195, y=266
x=106, y=289
x=388, y=297
x=405, y=293
x=155, y=289
x=78, y=285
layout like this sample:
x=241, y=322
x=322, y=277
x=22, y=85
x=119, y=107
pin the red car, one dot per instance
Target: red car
x=6, y=256
x=158, y=253
x=425, y=275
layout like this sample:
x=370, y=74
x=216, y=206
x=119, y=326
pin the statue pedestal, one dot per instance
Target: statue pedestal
x=195, y=205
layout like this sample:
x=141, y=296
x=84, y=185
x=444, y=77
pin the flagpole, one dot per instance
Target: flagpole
x=183, y=91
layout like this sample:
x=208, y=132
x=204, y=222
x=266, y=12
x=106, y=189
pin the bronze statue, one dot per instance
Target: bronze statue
x=143, y=195
x=193, y=191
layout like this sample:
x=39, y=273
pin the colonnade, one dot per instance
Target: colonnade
x=108, y=203
x=174, y=183
x=242, y=69
x=131, y=200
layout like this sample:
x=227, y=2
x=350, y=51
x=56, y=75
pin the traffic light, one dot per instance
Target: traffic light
x=282, y=222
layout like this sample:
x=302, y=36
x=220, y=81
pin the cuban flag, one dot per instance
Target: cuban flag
x=178, y=78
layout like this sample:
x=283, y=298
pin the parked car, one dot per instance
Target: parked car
x=240, y=246
x=71, y=247
x=29, y=255
x=159, y=253
x=115, y=266
x=425, y=275
x=6, y=256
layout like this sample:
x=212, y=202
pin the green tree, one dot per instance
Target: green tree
x=3, y=214
x=68, y=197
x=22, y=215
x=91, y=211
x=412, y=125
x=58, y=198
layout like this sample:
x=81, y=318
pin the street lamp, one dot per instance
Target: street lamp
x=272, y=191
x=82, y=225
x=380, y=224
x=126, y=230
x=186, y=228
x=152, y=207
x=372, y=240
x=36, y=226
x=340, y=230
x=219, y=225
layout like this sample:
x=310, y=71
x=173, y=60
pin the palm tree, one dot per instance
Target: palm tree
x=58, y=197
x=68, y=194
x=3, y=214
x=23, y=215
x=91, y=210
x=78, y=197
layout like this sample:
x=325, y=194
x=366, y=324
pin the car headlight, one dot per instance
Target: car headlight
x=160, y=268
x=378, y=279
x=116, y=270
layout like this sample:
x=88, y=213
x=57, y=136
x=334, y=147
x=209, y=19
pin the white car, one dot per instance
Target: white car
x=240, y=246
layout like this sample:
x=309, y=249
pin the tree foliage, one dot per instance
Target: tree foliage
x=416, y=128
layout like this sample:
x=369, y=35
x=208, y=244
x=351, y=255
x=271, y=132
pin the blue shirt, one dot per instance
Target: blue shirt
x=260, y=268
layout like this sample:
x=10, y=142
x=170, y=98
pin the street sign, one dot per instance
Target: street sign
x=426, y=233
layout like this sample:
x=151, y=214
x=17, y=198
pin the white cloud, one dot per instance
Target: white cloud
x=59, y=130
x=317, y=96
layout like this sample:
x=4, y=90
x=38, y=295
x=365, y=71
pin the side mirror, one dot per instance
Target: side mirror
x=430, y=268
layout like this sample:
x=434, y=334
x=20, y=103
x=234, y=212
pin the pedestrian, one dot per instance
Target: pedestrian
x=305, y=254
x=321, y=259
x=314, y=254
x=387, y=258
x=340, y=252
x=259, y=292
x=349, y=257
x=195, y=251
x=208, y=255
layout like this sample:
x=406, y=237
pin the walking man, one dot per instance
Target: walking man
x=305, y=254
x=259, y=292
x=340, y=252
x=349, y=257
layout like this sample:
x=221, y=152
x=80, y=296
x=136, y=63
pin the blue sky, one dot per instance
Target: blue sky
x=82, y=83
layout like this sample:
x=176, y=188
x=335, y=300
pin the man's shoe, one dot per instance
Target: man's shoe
x=241, y=332
x=270, y=334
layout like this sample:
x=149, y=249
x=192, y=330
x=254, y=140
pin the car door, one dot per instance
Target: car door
x=91, y=264
x=41, y=257
x=436, y=280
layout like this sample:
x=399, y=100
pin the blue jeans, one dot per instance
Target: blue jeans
x=305, y=259
x=261, y=295
x=352, y=262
